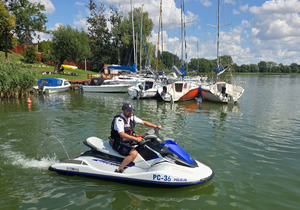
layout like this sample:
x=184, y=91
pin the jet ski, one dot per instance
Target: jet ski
x=159, y=162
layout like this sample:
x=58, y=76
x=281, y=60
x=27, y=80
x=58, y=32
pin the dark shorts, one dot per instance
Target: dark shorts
x=125, y=148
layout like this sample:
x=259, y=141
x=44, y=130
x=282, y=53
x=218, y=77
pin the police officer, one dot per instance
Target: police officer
x=122, y=131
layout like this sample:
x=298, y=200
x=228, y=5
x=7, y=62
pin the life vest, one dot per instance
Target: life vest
x=115, y=136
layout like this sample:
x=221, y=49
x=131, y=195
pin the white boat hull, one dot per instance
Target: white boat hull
x=120, y=88
x=146, y=89
x=179, y=91
x=49, y=90
x=137, y=93
x=213, y=92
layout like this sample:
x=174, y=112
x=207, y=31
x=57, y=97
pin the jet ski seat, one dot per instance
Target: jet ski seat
x=100, y=145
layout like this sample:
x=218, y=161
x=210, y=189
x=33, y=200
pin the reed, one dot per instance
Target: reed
x=15, y=81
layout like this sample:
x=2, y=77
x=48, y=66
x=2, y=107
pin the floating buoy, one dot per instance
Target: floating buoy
x=28, y=100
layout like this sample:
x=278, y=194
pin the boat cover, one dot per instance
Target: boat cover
x=97, y=81
x=51, y=82
x=124, y=68
x=219, y=71
x=181, y=72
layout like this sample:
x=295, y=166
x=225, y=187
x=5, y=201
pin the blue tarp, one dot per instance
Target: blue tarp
x=124, y=68
x=50, y=82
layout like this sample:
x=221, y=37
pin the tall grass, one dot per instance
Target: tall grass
x=15, y=81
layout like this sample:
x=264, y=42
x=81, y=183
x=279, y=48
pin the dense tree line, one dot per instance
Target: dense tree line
x=204, y=66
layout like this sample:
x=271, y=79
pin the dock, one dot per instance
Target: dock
x=75, y=83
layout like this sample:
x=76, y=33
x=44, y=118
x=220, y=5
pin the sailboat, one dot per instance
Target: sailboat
x=180, y=90
x=149, y=87
x=221, y=91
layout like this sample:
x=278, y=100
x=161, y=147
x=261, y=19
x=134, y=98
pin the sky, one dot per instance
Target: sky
x=250, y=30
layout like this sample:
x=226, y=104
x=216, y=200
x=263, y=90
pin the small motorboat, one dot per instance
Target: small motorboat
x=69, y=66
x=52, y=85
x=159, y=162
x=146, y=89
x=101, y=85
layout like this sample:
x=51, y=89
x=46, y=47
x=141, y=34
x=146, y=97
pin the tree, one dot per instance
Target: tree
x=168, y=60
x=244, y=68
x=30, y=54
x=234, y=67
x=99, y=36
x=270, y=66
x=226, y=60
x=253, y=68
x=29, y=19
x=194, y=64
x=126, y=31
x=262, y=65
x=7, y=23
x=44, y=46
x=295, y=68
x=115, y=20
x=45, y=49
x=69, y=44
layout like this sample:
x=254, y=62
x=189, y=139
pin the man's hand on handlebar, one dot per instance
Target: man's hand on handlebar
x=139, y=138
x=159, y=127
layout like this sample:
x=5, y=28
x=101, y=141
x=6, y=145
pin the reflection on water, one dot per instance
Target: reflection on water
x=151, y=199
x=218, y=112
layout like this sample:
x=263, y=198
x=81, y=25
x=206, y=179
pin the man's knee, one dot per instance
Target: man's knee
x=134, y=153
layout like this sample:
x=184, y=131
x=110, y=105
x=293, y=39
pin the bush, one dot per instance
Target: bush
x=30, y=54
x=15, y=81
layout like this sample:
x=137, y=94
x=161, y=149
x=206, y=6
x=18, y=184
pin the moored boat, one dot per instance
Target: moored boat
x=52, y=85
x=179, y=91
x=101, y=85
x=146, y=89
x=221, y=92
x=69, y=66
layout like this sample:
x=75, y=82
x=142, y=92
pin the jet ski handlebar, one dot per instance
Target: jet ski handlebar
x=151, y=135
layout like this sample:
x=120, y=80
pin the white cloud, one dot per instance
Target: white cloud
x=49, y=7
x=275, y=31
x=80, y=22
x=235, y=12
x=205, y=3
x=79, y=3
x=244, y=8
x=229, y=2
x=56, y=26
x=169, y=19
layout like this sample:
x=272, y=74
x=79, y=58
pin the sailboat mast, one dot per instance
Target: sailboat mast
x=218, y=36
x=134, y=53
x=142, y=14
x=182, y=33
x=158, y=36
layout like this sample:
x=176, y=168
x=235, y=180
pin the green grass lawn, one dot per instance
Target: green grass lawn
x=13, y=57
x=42, y=68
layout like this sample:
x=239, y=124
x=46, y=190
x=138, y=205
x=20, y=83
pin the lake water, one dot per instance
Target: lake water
x=253, y=148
